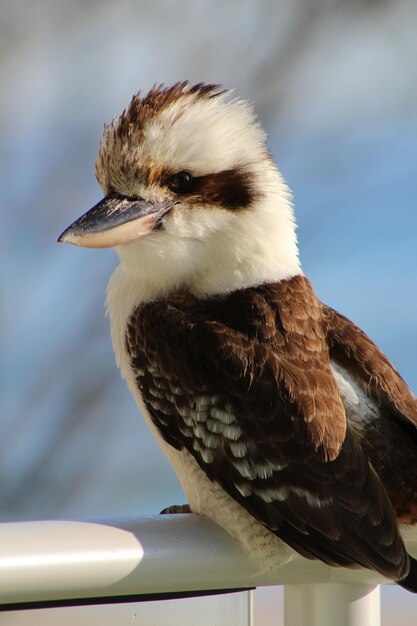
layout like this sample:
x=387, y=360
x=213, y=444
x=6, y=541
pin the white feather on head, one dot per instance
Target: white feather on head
x=201, y=246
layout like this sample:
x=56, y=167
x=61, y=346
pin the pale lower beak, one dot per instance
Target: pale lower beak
x=115, y=220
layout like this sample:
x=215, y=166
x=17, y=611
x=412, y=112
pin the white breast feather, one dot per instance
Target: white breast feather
x=205, y=498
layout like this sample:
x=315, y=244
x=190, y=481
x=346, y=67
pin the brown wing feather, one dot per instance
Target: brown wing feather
x=244, y=383
x=391, y=440
x=351, y=346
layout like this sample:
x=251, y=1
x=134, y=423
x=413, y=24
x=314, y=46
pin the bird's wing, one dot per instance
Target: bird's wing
x=264, y=419
x=351, y=347
x=391, y=440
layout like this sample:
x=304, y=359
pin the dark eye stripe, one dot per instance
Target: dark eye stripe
x=231, y=189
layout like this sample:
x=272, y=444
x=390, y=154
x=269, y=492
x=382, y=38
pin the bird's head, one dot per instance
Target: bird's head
x=192, y=197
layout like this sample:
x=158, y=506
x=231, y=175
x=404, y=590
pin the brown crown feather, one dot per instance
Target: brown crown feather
x=158, y=98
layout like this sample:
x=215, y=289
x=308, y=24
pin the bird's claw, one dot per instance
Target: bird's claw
x=176, y=508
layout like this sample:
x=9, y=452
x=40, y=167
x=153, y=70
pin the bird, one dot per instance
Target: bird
x=283, y=421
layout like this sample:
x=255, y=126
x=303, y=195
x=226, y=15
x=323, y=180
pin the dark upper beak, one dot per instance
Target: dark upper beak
x=115, y=220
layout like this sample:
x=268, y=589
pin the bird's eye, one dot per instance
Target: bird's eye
x=181, y=182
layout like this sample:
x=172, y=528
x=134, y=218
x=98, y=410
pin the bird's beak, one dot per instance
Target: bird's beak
x=115, y=220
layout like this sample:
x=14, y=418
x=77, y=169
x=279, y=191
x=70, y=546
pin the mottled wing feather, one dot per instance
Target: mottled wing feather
x=247, y=388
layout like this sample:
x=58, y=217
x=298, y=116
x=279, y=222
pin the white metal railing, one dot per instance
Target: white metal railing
x=54, y=563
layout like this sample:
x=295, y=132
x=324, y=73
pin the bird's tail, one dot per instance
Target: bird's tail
x=410, y=581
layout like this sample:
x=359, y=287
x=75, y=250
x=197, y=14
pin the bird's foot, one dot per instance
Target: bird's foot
x=176, y=508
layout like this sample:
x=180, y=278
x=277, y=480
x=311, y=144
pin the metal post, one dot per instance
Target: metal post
x=65, y=563
x=332, y=604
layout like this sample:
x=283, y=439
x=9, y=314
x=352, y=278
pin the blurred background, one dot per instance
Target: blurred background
x=335, y=83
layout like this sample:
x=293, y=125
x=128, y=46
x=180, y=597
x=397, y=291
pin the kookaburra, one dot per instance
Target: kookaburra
x=281, y=418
